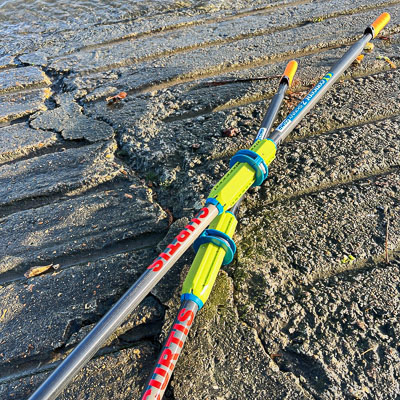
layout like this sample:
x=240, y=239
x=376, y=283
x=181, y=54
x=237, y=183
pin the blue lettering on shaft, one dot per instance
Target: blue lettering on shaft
x=260, y=134
x=317, y=88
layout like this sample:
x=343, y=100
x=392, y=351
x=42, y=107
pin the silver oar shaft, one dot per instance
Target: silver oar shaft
x=292, y=120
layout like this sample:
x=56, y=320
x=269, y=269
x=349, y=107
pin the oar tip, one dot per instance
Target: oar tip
x=380, y=23
x=290, y=71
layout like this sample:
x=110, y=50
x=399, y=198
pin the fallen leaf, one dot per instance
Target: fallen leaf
x=116, y=98
x=388, y=60
x=230, y=132
x=34, y=271
x=384, y=38
x=170, y=216
x=358, y=59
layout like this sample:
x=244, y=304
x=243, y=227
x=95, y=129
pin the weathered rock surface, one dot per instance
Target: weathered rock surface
x=76, y=168
x=226, y=361
x=124, y=376
x=72, y=124
x=341, y=336
x=77, y=297
x=19, y=140
x=85, y=223
x=22, y=78
x=21, y=104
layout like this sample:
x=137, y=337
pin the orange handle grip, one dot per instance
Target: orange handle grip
x=380, y=23
x=290, y=70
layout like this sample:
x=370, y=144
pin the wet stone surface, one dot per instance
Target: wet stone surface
x=22, y=78
x=76, y=168
x=17, y=141
x=22, y=104
x=68, y=120
x=88, y=222
x=91, y=191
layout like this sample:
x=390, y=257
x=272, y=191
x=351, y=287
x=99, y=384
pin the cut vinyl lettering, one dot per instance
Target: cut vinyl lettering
x=182, y=236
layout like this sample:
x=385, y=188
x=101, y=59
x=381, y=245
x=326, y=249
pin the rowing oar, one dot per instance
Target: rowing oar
x=250, y=168
x=214, y=248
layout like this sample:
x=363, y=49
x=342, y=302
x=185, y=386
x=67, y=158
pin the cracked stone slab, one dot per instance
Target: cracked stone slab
x=18, y=140
x=66, y=22
x=207, y=95
x=72, y=124
x=163, y=43
x=115, y=376
x=41, y=235
x=339, y=336
x=184, y=166
x=56, y=173
x=222, y=58
x=22, y=104
x=184, y=101
x=22, y=79
x=148, y=23
x=37, y=58
x=7, y=61
x=78, y=297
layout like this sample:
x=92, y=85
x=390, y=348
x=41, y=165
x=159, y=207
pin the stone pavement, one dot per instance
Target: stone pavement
x=309, y=309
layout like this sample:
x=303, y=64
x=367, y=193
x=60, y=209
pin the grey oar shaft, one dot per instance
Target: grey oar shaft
x=56, y=382
x=289, y=123
x=272, y=112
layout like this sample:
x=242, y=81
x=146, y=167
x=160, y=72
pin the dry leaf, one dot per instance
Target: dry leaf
x=358, y=59
x=34, y=271
x=116, y=98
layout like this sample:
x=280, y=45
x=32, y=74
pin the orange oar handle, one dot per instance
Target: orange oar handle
x=290, y=70
x=379, y=23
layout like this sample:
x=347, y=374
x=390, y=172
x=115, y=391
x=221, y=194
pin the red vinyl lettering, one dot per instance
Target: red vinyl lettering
x=160, y=371
x=203, y=213
x=184, y=315
x=173, y=339
x=173, y=247
x=166, y=257
x=165, y=380
x=179, y=327
x=166, y=357
x=155, y=383
x=189, y=227
x=147, y=393
x=183, y=235
x=157, y=265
